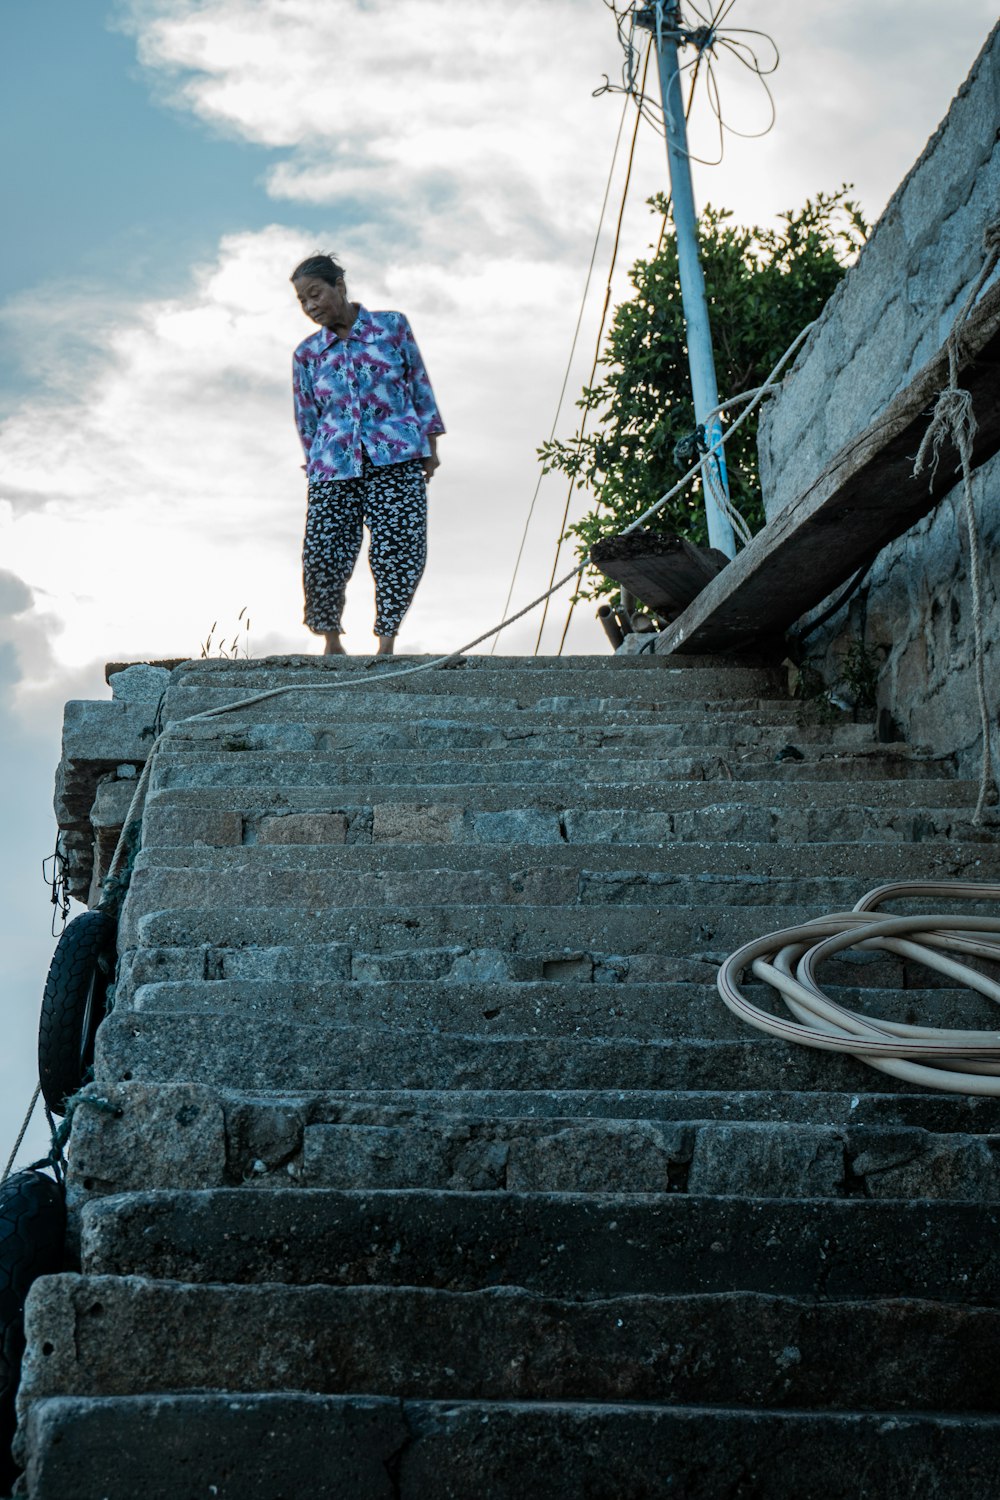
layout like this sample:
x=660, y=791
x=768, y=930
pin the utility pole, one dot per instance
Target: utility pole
x=663, y=18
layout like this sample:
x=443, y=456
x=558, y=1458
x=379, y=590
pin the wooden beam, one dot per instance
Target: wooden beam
x=664, y=572
x=864, y=498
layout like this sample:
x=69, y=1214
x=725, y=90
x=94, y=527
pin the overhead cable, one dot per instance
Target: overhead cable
x=569, y=361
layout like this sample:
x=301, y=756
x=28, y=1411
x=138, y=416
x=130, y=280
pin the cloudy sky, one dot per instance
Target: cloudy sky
x=169, y=161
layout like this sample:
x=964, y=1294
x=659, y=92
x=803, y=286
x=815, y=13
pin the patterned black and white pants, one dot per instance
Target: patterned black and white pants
x=391, y=500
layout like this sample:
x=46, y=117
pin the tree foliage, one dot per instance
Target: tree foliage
x=763, y=287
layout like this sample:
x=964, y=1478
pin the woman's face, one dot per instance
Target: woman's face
x=323, y=303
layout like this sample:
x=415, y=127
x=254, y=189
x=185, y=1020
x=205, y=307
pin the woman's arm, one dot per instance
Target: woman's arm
x=421, y=394
x=306, y=408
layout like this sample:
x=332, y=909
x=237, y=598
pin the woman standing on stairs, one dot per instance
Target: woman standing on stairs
x=369, y=426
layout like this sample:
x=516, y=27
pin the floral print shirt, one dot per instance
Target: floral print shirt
x=369, y=389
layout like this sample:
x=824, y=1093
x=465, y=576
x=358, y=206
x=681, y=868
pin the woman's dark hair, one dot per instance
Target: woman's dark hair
x=323, y=267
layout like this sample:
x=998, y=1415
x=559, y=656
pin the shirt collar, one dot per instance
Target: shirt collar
x=362, y=329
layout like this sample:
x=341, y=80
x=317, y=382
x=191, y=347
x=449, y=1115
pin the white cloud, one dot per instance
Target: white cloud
x=451, y=125
x=155, y=487
x=165, y=492
x=483, y=117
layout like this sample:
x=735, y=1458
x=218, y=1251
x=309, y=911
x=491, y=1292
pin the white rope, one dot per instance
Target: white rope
x=957, y=1061
x=754, y=399
x=22, y=1133
x=954, y=418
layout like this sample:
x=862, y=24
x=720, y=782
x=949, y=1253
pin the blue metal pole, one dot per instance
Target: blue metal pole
x=664, y=19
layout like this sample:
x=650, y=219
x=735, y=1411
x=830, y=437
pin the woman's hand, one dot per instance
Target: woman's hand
x=432, y=462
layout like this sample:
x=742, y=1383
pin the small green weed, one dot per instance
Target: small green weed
x=234, y=649
x=810, y=688
x=860, y=671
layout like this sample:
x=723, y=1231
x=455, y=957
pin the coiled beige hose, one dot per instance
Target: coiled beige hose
x=960, y=1062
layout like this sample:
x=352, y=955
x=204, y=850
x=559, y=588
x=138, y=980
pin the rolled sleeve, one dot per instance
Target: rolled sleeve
x=421, y=391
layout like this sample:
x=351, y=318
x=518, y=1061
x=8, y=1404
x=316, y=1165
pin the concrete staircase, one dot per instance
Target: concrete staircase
x=422, y=1159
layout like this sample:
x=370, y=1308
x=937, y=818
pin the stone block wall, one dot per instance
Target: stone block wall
x=914, y=612
x=892, y=312
x=889, y=316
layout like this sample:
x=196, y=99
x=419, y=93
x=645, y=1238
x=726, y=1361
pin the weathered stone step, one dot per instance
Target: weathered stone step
x=137, y=1136
x=585, y=678
x=460, y=963
x=510, y=1344
x=400, y=712
x=698, y=812
x=240, y=669
x=745, y=1159
x=565, y=1245
x=343, y=776
x=102, y=734
x=537, y=888
x=472, y=741
x=379, y=1448
x=706, y=931
x=496, y=1007
x=584, y=700
x=489, y=1008
x=453, y=725
x=245, y=1053
x=875, y=799
x=871, y=863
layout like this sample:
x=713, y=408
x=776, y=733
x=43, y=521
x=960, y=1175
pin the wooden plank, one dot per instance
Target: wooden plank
x=863, y=499
x=663, y=571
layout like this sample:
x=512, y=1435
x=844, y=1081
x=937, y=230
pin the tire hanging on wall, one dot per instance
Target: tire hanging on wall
x=73, y=1005
x=32, y=1233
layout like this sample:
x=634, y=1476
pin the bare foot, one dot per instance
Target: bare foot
x=333, y=646
x=386, y=645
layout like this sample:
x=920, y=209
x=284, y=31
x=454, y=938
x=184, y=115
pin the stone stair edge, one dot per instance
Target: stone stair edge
x=500, y=1451
x=957, y=795
x=501, y=1008
x=708, y=931
x=670, y=928
x=328, y=1337
x=573, y=1244
x=453, y=1449
x=247, y=1053
x=697, y=1152
x=312, y=1106
x=655, y=863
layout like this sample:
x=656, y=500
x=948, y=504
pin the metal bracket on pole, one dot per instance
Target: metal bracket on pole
x=663, y=18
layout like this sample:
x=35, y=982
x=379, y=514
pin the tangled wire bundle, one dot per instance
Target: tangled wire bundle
x=957, y=1061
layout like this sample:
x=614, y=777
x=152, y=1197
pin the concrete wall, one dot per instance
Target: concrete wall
x=894, y=309
x=889, y=316
x=915, y=612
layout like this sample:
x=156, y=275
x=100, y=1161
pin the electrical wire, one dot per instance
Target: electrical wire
x=597, y=353
x=569, y=361
x=710, y=41
x=705, y=43
x=659, y=245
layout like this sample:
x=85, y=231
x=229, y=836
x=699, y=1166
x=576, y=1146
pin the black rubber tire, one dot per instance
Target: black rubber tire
x=73, y=1005
x=32, y=1236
